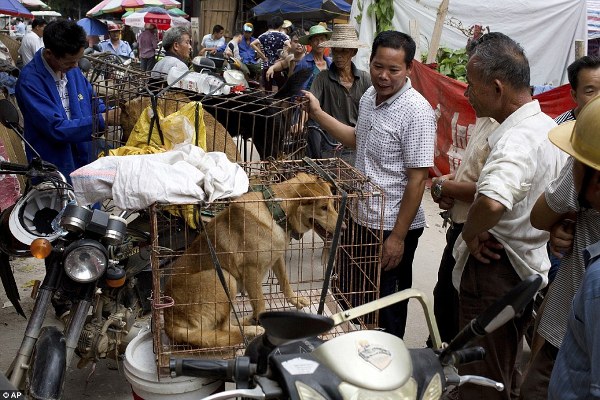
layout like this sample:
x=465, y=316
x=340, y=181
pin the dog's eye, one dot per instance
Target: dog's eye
x=324, y=208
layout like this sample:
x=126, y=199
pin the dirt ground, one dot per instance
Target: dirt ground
x=108, y=380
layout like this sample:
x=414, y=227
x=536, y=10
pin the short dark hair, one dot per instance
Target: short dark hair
x=217, y=29
x=64, y=37
x=38, y=22
x=395, y=40
x=585, y=62
x=173, y=35
x=275, y=22
x=500, y=57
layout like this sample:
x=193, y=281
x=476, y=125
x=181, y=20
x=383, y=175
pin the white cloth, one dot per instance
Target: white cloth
x=29, y=45
x=183, y=175
x=562, y=20
x=164, y=65
x=521, y=163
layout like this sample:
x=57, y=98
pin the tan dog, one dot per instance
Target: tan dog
x=249, y=242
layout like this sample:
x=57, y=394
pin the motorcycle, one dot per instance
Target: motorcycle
x=283, y=363
x=94, y=261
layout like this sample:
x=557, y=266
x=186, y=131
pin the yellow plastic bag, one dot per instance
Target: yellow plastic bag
x=178, y=127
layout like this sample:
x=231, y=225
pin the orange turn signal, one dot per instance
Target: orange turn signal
x=40, y=248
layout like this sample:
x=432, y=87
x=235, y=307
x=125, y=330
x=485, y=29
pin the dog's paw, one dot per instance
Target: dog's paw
x=253, y=331
x=299, y=301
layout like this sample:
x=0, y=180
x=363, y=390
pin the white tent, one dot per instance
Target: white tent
x=546, y=30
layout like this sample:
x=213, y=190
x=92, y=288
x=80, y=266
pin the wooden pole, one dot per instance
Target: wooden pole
x=579, y=49
x=437, y=31
x=415, y=33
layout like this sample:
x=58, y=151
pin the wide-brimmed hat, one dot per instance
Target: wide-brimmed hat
x=344, y=37
x=314, y=31
x=581, y=138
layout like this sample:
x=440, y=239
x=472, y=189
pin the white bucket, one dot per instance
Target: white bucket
x=140, y=371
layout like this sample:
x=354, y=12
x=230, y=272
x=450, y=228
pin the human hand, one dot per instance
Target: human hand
x=483, y=246
x=393, y=250
x=561, y=237
x=312, y=106
x=445, y=202
x=213, y=51
x=270, y=73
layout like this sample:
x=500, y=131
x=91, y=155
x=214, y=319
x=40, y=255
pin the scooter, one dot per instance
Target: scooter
x=289, y=362
x=93, y=262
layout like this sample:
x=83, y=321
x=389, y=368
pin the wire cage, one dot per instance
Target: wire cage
x=322, y=272
x=247, y=126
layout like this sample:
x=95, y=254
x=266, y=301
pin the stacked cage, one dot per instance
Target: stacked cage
x=247, y=126
x=312, y=258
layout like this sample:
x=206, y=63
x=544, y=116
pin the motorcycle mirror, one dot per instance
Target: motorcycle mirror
x=9, y=116
x=293, y=325
x=84, y=64
x=496, y=315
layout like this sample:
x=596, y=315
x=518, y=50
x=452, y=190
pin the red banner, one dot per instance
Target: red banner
x=456, y=117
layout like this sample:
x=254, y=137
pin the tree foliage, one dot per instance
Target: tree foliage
x=70, y=8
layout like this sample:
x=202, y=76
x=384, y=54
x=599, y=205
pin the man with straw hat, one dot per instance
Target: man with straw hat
x=316, y=60
x=576, y=371
x=339, y=90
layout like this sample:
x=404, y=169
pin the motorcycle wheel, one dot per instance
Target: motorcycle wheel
x=46, y=376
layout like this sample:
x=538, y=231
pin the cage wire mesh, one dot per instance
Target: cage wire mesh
x=247, y=126
x=245, y=235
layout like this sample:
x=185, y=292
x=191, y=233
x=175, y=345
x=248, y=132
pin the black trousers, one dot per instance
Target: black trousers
x=362, y=251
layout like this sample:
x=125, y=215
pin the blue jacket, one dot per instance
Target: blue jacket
x=67, y=143
x=308, y=61
x=247, y=53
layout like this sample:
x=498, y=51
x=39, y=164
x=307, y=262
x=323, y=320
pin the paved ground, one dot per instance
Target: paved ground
x=108, y=380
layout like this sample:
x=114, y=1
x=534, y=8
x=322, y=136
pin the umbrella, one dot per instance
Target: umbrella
x=93, y=26
x=14, y=8
x=35, y=5
x=46, y=13
x=317, y=10
x=117, y=6
x=177, y=12
x=157, y=16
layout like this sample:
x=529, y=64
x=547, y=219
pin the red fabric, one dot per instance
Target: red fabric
x=456, y=117
x=9, y=184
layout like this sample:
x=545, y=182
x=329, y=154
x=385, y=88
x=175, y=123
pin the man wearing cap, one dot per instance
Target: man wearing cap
x=554, y=212
x=32, y=41
x=338, y=90
x=576, y=372
x=114, y=44
x=147, y=44
x=315, y=60
x=247, y=53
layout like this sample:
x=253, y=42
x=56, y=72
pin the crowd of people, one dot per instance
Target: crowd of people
x=515, y=196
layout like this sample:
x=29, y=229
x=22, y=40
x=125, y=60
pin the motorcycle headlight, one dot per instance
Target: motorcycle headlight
x=85, y=260
x=434, y=389
x=408, y=391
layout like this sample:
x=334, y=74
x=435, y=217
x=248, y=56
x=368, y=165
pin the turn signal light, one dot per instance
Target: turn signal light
x=40, y=248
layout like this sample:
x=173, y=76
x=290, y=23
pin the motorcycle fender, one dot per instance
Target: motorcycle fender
x=48, y=365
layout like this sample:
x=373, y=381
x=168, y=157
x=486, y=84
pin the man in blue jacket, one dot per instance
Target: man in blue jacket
x=59, y=107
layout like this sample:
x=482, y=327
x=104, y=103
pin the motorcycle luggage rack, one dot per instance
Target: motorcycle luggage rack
x=305, y=264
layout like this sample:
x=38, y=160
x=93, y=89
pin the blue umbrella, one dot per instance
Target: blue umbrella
x=14, y=8
x=318, y=10
x=93, y=26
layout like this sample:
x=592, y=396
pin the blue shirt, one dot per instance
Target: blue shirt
x=247, y=53
x=65, y=142
x=123, y=49
x=576, y=372
x=308, y=61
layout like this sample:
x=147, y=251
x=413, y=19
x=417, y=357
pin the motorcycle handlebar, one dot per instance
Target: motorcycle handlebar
x=13, y=167
x=467, y=355
x=222, y=369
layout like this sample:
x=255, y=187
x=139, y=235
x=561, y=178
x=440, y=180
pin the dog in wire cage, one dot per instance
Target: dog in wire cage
x=250, y=237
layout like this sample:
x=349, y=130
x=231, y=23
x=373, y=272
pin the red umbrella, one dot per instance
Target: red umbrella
x=157, y=16
x=14, y=8
x=119, y=6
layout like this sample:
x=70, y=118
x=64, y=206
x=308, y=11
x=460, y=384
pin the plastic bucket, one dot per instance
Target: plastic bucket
x=140, y=371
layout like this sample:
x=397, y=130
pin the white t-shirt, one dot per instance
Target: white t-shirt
x=30, y=44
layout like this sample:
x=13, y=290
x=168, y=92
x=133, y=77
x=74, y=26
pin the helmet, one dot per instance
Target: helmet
x=113, y=27
x=581, y=138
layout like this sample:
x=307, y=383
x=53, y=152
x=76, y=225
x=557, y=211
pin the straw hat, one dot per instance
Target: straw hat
x=580, y=138
x=344, y=37
x=286, y=23
x=314, y=31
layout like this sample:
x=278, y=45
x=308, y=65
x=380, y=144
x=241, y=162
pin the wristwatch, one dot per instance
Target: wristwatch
x=437, y=189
